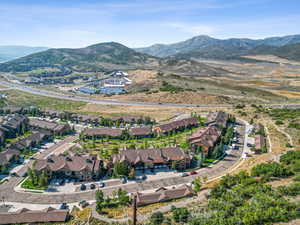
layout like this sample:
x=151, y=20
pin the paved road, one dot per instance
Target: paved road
x=131, y=103
x=102, y=102
x=217, y=170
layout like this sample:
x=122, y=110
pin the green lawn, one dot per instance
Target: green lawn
x=105, y=148
x=27, y=184
x=19, y=98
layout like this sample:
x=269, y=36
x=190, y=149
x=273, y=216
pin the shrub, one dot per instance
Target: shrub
x=273, y=169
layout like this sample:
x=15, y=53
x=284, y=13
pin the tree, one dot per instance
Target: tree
x=197, y=183
x=43, y=179
x=180, y=215
x=99, y=200
x=121, y=169
x=122, y=196
x=157, y=218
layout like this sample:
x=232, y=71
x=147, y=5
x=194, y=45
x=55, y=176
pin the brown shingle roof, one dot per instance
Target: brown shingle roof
x=33, y=216
x=164, y=195
x=218, y=118
x=205, y=136
x=110, y=132
x=150, y=156
x=140, y=131
x=48, y=125
x=192, y=121
x=7, y=155
x=68, y=163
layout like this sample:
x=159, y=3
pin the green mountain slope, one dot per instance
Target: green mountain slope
x=207, y=47
x=99, y=57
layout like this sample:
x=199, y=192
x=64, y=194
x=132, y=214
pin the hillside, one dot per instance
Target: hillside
x=99, y=57
x=13, y=52
x=105, y=57
x=290, y=51
x=207, y=47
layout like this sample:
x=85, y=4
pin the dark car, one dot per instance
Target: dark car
x=101, y=185
x=63, y=206
x=83, y=203
x=92, y=186
x=193, y=172
x=82, y=187
x=144, y=177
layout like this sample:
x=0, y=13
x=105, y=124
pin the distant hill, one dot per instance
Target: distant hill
x=208, y=47
x=99, y=57
x=289, y=51
x=105, y=57
x=13, y=52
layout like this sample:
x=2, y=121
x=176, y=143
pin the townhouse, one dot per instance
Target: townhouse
x=205, y=139
x=141, y=132
x=177, y=125
x=81, y=167
x=217, y=118
x=13, y=125
x=25, y=216
x=57, y=129
x=154, y=158
x=7, y=157
x=113, y=133
x=164, y=194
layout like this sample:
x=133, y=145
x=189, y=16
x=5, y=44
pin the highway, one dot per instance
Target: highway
x=45, y=93
x=57, y=95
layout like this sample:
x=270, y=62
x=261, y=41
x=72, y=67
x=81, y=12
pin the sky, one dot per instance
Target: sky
x=137, y=23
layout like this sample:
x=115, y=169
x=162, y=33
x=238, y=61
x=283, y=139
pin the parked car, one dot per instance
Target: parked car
x=63, y=206
x=92, y=186
x=32, y=158
x=101, y=185
x=82, y=187
x=193, y=172
x=124, y=180
x=144, y=177
x=184, y=174
x=83, y=203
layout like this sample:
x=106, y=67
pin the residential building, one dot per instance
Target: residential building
x=141, y=132
x=13, y=125
x=102, y=133
x=35, y=139
x=57, y=129
x=164, y=194
x=154, y=158
x=217, y=118
x=81, y=167
x=205, y=138
x=176, y=126
x=25, y=216
x=7, y=157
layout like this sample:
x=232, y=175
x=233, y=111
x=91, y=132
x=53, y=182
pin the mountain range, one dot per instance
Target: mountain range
x=177, y=57
x=208, y=47
x=10, y=52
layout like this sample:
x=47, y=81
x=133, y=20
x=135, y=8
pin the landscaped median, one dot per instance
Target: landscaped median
x=26, y=185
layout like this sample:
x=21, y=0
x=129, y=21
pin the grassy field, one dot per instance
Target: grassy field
x=106, y=148
x=18, y=98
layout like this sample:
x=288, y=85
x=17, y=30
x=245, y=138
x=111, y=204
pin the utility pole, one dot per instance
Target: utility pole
x=134, y=210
